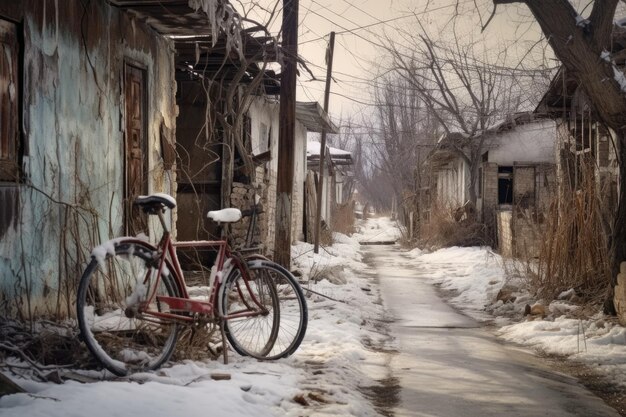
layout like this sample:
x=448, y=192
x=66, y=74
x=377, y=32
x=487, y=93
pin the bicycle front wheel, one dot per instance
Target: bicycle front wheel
x=264, y=309
x=113, y=314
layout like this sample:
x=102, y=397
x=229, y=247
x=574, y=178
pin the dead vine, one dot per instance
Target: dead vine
x=43, y=353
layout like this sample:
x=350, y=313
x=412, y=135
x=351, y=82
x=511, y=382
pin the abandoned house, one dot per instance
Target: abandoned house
x=91, y=93
x=515, y=179
x=588, y=177
x=517, y=182
x=585, y=147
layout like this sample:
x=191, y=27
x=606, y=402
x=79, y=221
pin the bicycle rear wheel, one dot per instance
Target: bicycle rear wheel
x=117, y=333
x=266, y=315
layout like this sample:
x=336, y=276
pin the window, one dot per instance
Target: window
x=263, y=138
x=9, y=99
x=505, y=185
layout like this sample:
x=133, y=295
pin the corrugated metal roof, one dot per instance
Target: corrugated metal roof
x=314, y=118
x=197, y=51
x=168, y=17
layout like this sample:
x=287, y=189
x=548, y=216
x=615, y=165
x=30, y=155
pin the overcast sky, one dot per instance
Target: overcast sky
x=361, y=26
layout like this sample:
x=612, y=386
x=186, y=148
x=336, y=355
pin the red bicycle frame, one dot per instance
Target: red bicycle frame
x=166, y=250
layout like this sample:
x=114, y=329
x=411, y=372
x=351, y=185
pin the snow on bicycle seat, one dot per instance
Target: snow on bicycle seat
x=155, y=202
x=227, y=215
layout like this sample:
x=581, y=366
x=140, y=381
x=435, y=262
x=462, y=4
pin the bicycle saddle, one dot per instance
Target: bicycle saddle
x=154, y=203
x=227, y=215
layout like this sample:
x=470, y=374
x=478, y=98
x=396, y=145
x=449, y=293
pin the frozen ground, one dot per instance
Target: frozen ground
x=343, y=354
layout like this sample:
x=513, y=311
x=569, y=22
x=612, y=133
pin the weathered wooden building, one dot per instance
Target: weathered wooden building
x=516, y=180
x=89, y=105
x=588, y=186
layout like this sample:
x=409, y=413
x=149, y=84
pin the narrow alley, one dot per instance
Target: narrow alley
x=448, y=365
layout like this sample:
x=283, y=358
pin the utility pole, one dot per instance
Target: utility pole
x=320, y=181
x=286, y=132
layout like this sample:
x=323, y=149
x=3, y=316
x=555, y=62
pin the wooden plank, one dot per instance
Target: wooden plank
x=311, y=204
x=7, y=386
x=136, y=155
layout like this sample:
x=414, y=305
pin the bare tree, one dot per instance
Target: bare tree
x=462, y=90
x=372, y=182
x=401, y=132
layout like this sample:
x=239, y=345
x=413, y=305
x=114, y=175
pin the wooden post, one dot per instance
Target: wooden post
x=286, y=132
x=320, y=184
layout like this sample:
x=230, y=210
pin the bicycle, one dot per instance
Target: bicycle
x=132, y=299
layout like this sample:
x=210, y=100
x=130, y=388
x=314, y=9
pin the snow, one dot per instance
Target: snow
x=101, y=251
x=164, y=196
x=620, y=78
x=222, y=16
x=227, y=215
x=313, y=148
x=581, y=21
x=336, y=359
x=618, y=74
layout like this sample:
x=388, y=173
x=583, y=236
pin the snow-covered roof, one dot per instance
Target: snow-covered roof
x=313, y=149
x=335, y=157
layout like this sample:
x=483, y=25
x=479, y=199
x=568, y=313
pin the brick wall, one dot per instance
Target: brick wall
x=490, y=197
x=524, y=186
x=526, y=235
x=242, y=197
x=529, y=213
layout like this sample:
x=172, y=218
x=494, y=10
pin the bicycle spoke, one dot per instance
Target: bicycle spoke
x=112, y=297
x=277, y=333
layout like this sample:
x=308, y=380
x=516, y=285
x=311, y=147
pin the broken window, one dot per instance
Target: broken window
x=505, y=185
x=9, y=116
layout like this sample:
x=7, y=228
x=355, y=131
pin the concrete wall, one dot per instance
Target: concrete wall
x=489, y=197
x=530, y=142
x=264, y=131
x=70, y=198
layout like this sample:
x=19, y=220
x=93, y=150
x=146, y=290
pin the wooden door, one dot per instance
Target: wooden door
x=136, y=155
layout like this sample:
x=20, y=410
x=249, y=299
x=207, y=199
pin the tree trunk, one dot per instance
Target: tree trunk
x=618, y=239
x=580, y=44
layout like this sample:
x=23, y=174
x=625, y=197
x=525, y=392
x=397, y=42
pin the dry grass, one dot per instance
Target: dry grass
x=574, y=245
x=442, y=230
x=199, y=343
x=343, y=219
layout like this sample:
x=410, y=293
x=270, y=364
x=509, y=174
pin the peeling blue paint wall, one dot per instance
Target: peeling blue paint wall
x=70, y=197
